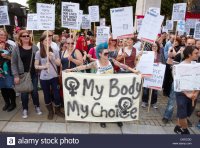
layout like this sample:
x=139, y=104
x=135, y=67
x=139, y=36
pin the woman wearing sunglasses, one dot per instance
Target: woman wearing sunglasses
x=102, y=65
x=21, y=62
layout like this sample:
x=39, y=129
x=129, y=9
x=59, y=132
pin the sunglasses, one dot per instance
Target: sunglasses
x=71, y=43
x=106, y=54
x=25, y=36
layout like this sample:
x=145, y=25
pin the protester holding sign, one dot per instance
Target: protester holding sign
x=156, y=49
x=21, y=63
x=103, y=65
x=184, y=99
x=6, y=77
x=49, y=75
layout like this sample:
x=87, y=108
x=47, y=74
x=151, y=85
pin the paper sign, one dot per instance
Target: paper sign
x=181, y=26
x=103, y=22
x=145, y=65
x=169, y=24
x=122, y=21
x=197, y=31
x=139, y=24
x=101, y=98
x=186, y=77
x=151, y=26
x=46, y=16
x=4, y=19
x=94, y=13
x=32, y=21
x=155, y=9
x=80, y=19
x=103, y=34
x=179, y=11
x=156, y=81
x=86, y=23
x=190, y=24
x=70, y=15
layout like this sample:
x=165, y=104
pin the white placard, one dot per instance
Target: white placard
x=80, y=19
x=197, y=31
x=180, y=26
x=16, y=20
x=70, y=15
x=122, y=21
x=103, y=34
x=94, y=13
x=32, y=21
x=156, y=81
x=151, y=26
x=155, y=9
x=169, y=24
x=179, y=11
x=186, y=77
x=164, y=29
x=46, y=16
x=190, y=24
x=103, y=22
x=101, y=98
x=4, y=18
x=145, y=65
x=86, y=23
x=139, y=24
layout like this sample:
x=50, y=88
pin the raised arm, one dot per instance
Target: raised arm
x=82, y=67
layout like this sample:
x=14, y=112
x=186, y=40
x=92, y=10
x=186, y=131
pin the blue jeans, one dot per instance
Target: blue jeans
x=34, y=93
x=170, y=104
x=47, y=86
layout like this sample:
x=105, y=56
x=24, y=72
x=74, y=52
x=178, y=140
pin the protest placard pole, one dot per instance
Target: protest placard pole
x=123, y=50
x=70, y=32
x=94, y=29
x=47, y=51
x=149, y=101
x=4, y=27
x=32, y=37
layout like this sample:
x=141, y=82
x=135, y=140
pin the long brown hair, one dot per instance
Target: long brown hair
x=43, y=53
x=19, y=41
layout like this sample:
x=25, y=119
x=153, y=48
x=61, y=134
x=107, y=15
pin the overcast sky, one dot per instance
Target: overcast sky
x=22, y=2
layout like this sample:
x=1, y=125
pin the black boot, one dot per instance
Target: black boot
x=6, y=99
x=50, y=112
x=58, y=112
x=120, y=124
x=185, y=132
x=12, y=96
x=5, y=106
x=103, y=124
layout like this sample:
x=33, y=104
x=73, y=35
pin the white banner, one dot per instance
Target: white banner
x=122, y=21
x=80, y=19
x=86, y=23
x=186, y=77
x=103, y=34
x=156, y=81
x=46, y=16
x=101, y=98
x=70, y=15
x=4, y=18
x=32, y=21
x=145, y=65
x=103, y=22
x=180, y=26
x=169, y=24
x=197, y=31
x=151, y=26
x=94, y=13
x=179, y=11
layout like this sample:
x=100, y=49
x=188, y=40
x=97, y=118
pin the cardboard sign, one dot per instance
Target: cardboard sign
x=86, y=23
x=70, y=15
x=94, y=13
x=32, y=21
x=46, y=16
x=101, y=98
x=197, y=31
x=156, y=81
x=103, y=22
x=179, y=11
x=4, y=18
x=145, y=65
x=186, y=77
x=122, y=22
x=80, y=19
x=103, y=34
x=151, y=26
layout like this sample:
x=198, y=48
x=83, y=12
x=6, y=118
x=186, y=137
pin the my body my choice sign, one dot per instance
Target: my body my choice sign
x=101, y=98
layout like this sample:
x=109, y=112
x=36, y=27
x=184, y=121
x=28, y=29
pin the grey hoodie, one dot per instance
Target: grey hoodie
x=16, y=62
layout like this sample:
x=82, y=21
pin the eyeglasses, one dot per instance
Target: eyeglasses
x=106, y=54
x=24, y=36
x=71, y=43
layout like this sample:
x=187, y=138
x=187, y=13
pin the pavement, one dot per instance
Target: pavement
x=149, y=123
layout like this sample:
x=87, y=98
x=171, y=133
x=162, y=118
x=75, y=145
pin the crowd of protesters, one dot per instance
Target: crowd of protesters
x=78, y=52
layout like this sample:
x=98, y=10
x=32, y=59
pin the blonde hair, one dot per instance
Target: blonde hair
x=19, y=41
x=6, y=33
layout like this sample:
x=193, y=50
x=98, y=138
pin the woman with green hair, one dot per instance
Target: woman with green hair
x=103, y=65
